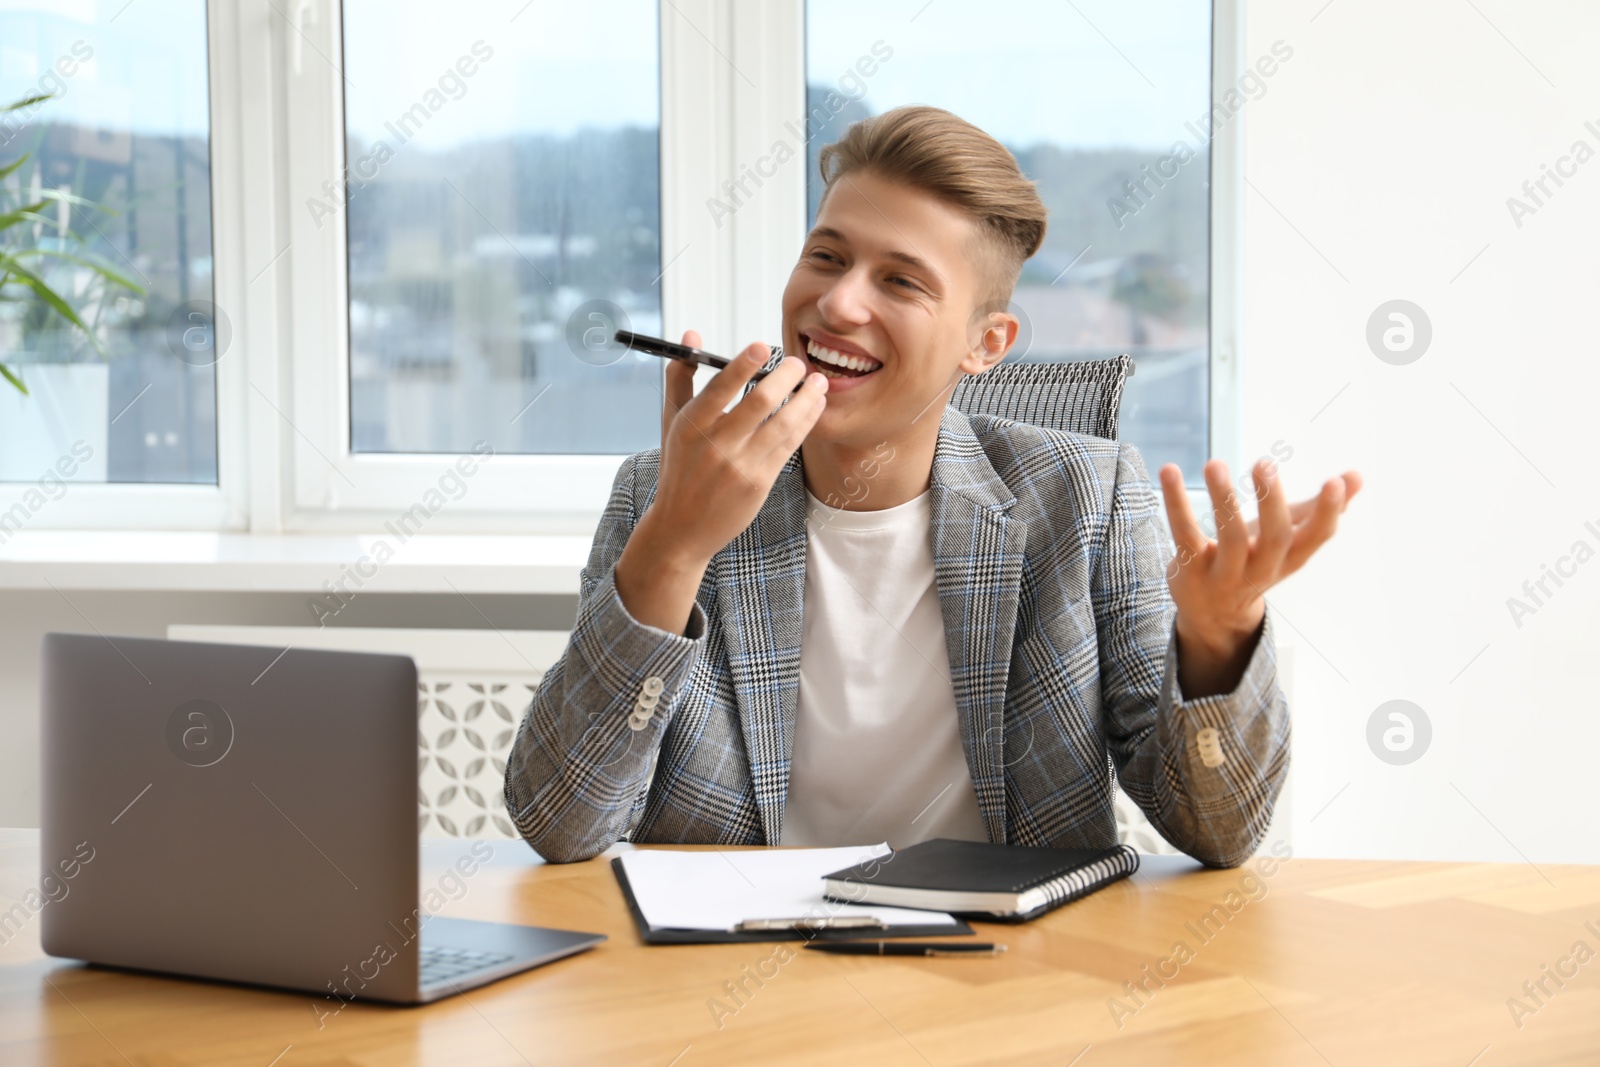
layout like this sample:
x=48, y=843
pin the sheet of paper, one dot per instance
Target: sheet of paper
x=716, y=890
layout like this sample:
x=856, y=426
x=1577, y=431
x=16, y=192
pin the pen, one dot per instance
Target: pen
x=820, y=922
x=908, y=948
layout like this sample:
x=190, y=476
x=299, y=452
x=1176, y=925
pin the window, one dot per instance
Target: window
x=324, y=246
x=119, y=159
x=504, y=202
x=1085, y=107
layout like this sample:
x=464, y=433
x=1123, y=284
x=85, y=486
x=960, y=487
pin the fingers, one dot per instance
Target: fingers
x=724, y=389
x=679, y=391
x=1233, y=540
x=1276, y=528
x=764, y=399
x=1352, y=485
x=777, y=438
x=1278, y=542
x=1301, y=510
x=679, y=386
x=1187, y=535
x=1320, y=526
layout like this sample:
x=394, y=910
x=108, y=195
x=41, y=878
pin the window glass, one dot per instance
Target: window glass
x=1086, y=96
x=118, y=168
x=503, y=213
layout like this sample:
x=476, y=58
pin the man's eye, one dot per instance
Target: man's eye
x=908, y=282
x=819, y=254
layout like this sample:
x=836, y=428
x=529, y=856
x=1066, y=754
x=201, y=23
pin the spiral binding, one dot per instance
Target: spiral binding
x=1085, y=880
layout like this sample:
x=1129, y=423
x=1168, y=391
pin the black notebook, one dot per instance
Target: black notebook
x=1009, y=883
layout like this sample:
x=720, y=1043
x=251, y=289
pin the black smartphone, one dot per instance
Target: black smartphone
x=668, y=350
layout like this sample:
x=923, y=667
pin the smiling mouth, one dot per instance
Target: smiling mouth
x=833, y=364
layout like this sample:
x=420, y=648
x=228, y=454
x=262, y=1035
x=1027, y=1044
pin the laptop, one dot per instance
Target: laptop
x=249, y=814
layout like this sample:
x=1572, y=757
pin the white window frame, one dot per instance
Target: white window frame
x=283, y=391
x=1225, y=423
x=226, y=505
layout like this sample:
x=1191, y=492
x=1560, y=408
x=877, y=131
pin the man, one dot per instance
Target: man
x=918, y=625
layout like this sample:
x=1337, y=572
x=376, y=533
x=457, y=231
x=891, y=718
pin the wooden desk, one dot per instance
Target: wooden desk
x=1324, y=962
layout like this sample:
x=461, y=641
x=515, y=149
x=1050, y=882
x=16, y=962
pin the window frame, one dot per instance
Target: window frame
x=327, y=487
x=175, y=506
x=284, y=463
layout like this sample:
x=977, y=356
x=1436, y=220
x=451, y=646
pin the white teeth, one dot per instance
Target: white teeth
x=840, y=359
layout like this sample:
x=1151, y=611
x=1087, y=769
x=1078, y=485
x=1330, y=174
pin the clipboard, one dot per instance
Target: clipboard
x=666, y=935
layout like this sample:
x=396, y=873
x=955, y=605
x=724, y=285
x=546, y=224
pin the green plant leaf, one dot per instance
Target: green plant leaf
x=27, y=101
x=24, y=214
x=11, y=168
x=12, y=218
x=49, y=296
x=105, y=270
x=68, y=198
x=13, y=379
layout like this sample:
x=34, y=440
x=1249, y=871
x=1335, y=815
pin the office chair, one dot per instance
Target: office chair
x=1079, y=397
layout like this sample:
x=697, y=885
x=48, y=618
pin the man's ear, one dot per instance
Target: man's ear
x=990, y=339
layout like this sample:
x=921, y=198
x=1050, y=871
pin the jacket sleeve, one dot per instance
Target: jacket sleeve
x=1160, y=742
x=577, y=772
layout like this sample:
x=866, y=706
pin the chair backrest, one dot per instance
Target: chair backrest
x=1079, y=397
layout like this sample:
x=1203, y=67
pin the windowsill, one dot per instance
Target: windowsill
x=297, y=563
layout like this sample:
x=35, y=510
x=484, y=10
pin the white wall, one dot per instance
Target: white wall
x=1391, y=142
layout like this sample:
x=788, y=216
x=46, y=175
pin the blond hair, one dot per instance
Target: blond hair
x=931, y=149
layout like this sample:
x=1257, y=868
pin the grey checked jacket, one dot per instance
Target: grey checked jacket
x=1050, y=559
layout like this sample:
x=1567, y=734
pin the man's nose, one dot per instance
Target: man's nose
x=846, y=301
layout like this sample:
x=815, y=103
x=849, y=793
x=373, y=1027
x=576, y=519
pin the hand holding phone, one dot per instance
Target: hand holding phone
x=716, y=470
x=684, y=353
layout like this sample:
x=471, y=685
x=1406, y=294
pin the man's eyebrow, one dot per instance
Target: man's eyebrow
x=915, y=262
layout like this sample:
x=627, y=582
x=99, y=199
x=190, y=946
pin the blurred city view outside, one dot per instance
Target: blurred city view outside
x=1085, y=107
x=519, y=194
x=128, y=128
x=464, y=272
x=473, y=245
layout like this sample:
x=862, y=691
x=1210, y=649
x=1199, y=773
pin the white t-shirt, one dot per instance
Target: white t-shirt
x=877, y=748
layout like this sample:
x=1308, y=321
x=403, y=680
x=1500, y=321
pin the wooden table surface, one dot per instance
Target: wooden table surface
x=1313, y=962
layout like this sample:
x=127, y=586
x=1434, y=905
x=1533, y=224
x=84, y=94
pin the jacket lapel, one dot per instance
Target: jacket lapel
x=977, y=558
x=760, y=598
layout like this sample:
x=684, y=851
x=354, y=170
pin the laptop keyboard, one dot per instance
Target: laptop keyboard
x=442, y=964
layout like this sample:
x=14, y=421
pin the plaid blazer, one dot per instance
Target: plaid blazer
x=1050, y=558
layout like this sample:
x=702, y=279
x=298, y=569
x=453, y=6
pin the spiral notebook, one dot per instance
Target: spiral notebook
x=1005, y=883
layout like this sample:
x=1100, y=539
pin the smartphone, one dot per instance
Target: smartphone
x=667, y=350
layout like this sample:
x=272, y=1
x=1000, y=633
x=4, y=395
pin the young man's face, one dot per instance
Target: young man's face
x=888, y=276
